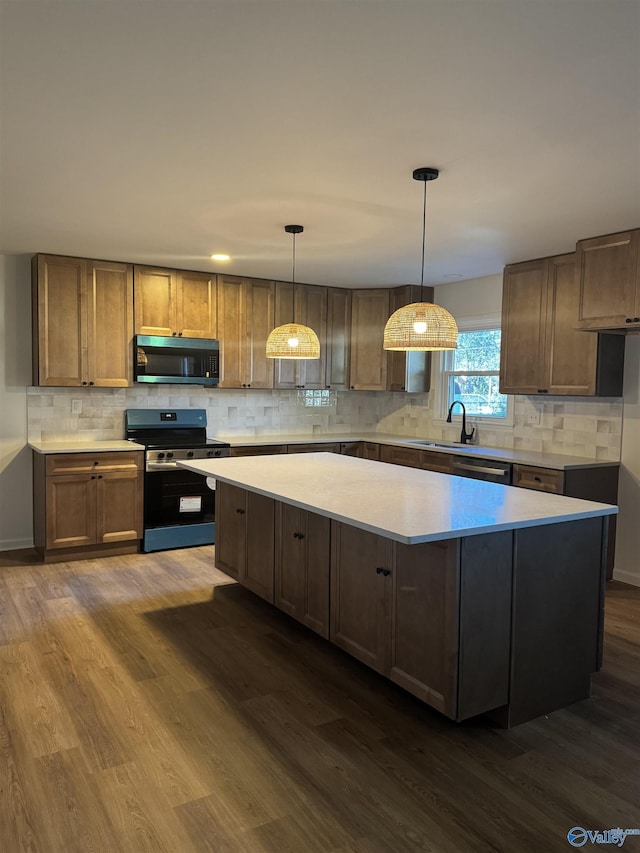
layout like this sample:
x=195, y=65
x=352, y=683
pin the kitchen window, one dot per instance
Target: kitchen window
x=471, y=374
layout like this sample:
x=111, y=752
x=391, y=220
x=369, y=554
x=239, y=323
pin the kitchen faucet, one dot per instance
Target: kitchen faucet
x=464, y=435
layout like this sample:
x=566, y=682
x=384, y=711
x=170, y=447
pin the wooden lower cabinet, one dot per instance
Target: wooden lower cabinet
x=434, y=617
x=245, y=535
x=87, y=504
x=302, y=566
x=408, y=456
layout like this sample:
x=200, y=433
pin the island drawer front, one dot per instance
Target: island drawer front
x=83, y=463
x=542, y=479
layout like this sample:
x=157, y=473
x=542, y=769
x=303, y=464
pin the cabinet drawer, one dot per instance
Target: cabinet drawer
x=83, y=463
x=542, y=479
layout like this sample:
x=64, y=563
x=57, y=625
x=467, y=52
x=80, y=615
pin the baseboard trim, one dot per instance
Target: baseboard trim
x=626, y=577
x=15, y=544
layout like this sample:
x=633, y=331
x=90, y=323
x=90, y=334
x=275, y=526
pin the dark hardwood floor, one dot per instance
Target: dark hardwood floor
x=139, y=711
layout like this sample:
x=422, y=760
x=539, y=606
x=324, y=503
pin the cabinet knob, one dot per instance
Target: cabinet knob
x=298, y=535
x=93, y=476
x=628, y=320
x=179, y=334
x=537, y=479
x=173, y=334
x=99, y=476
x=381, y=571
x=240, y=511
x=92, y=382
x=636, y=319
x=542, y=391
x=83, y=382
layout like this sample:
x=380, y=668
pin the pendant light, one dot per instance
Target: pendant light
x=421, y=325
x=293, y=340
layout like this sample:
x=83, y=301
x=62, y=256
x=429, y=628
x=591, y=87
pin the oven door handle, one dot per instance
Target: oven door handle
x=161, y=466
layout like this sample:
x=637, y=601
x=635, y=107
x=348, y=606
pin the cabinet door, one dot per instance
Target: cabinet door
x=608, y=270
x=442, y=463
x=369, y=314
x=60, y=321
x=358, y=594
x=118, y=506
x=110, y=324
x=231, y=529
x=302, y=566
x=196, y=315
x=524, y=311
x=408, y=456
x=370, y=450
x=311, y=309
x=424, y=622
x=351, y=448
x=155, y=295
x=571, y=355
x=231, y=325
x=259, y=300
x=408, y=371
x=287, y=371
x=258, y=571
x=70, y=501
x=338, y=349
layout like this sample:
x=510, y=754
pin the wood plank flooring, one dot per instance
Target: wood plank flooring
x=149, y=704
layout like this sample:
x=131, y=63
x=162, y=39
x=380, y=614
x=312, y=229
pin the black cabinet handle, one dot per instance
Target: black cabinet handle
x=298, y=535
x=92, y=382
x=83, y=382
x=543, y=391
x=240, y=511
x=381, y=571
x=173, y=334
x=93, y=476
x=537, y=479
x=99, y=476
x=636, y=319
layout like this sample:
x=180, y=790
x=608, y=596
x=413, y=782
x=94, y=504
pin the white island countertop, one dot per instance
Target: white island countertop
x=405, y=504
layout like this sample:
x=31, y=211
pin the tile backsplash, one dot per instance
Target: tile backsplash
x=569, y=425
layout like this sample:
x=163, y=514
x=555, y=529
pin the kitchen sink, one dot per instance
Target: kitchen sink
x=444, y=444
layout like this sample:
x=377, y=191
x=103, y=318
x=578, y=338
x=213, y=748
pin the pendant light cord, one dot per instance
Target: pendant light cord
x=424, y=231
x=293, y=278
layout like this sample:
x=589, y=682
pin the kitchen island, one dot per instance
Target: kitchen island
x=475, y=597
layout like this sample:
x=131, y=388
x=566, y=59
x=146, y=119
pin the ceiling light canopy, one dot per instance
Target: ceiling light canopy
x=293, y=340
x=421, y=325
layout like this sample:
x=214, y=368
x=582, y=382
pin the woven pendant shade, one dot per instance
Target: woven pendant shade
x=420, y=326
x=293, y=341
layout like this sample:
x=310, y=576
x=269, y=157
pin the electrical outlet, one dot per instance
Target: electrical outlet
x=533, y=417
x=76, y=407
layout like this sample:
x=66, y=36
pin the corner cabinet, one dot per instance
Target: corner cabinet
x=174, y=303
x=609, y=274
x=542, y=352
x=246, y=316
x=87, y=504
x=82, y=322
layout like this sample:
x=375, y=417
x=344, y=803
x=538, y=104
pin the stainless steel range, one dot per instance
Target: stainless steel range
x=179, y=507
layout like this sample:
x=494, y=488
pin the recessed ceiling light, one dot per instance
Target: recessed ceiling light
x=220, y=257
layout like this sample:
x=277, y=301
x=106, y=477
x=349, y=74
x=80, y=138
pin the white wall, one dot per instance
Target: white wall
x=16, y=530
x=472, y=298
x=627, y=562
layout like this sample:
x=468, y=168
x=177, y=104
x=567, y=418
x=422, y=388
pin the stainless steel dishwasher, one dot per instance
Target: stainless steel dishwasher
x=482, y=469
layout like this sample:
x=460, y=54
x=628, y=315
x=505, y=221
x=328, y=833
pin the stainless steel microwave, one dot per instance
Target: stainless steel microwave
x=176, y=360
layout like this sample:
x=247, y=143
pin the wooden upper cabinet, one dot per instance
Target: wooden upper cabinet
x=609, y=276
x=310, y=310
x=175, y=303
x=110, y=324
x=408, y=371
x=196, y=305
x=369, y=314
x=83, y=322
x=245, y=318
x=542, y=351
x=338, y=349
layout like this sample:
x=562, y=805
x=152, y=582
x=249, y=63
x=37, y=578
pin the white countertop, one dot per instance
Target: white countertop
x=404, y=504
x=83, y=446
x=555, y=461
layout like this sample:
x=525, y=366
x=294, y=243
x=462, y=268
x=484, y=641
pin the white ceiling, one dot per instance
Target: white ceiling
x=161, y=132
